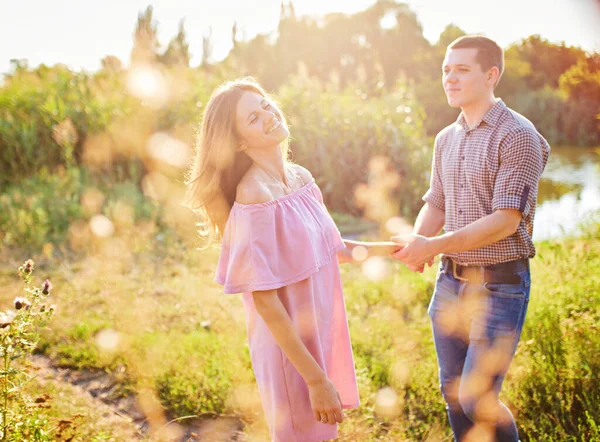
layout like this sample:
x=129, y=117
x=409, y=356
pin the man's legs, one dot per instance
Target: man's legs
x=495, y=330
x=476, y=330
x=451, y=348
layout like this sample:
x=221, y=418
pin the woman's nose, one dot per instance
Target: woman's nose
x=269, y=115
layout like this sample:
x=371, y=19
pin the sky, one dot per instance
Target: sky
x=79, y=33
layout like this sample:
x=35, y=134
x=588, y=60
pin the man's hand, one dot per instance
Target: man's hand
x=418, y=251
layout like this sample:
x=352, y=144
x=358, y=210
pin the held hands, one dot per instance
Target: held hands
x=325, y=402
x=416, y=252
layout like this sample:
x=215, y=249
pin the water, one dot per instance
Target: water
x=569, y=192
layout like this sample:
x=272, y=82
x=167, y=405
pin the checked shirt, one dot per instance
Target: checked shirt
x=495, y=165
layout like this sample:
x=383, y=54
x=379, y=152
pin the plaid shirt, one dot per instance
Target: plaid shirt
x=496, y=165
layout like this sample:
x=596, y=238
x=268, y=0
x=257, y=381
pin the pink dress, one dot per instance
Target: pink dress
x=290, y=244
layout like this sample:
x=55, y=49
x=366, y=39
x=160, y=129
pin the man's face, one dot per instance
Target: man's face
x=465, y=83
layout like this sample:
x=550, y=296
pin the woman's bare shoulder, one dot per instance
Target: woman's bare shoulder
x=304, y=174
x=252, y=191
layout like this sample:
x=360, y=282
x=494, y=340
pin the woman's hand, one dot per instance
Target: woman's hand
x=325, y=402
x=324, y=399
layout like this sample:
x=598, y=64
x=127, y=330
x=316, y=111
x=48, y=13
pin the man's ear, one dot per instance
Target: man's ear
x=492, y=75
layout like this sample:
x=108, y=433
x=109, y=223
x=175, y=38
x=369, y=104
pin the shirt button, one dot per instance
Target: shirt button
x=460, y=211
x=462, y=158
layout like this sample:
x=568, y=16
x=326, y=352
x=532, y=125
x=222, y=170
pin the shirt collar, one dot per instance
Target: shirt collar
x=490, y=118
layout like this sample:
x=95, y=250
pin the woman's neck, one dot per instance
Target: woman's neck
x=270, y=162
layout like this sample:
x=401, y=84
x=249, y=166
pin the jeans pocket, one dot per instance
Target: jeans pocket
x=501, y=312
x=504, y=290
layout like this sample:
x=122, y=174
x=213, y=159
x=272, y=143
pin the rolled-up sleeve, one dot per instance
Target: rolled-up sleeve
x=435, y=193
x=522, y=162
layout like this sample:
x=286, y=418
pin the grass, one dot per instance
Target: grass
x=146, y=310
x=73, y=415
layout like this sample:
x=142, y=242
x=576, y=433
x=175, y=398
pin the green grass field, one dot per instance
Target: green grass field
x=146, y=311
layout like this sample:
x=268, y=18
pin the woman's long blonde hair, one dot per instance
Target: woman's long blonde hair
x=217, y=166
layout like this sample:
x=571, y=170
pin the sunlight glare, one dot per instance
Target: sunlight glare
x=163, y=147
x=101, y=226
x=386, y=402
x=360, y=253
x=148, y=84
x=108, y=339
x=376, y=268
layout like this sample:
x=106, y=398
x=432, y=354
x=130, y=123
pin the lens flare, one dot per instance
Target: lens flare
x=398, y=226
x=101, y=226
x=386, y=403
x=108, y=339
x=360, y=253
x=376, y=268
x=149, y=85
x=163, y=147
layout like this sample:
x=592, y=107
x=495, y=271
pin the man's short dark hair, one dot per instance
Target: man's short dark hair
x=489, y=53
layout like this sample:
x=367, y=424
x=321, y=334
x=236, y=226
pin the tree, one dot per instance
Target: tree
x=145, y=39
x=548, y=61
x=178, y=51
x=234, y=34
x=448, y=35
x=517, y=72
x=111, y=63
x=207, y=48
x=582, y=81
x=400, y=44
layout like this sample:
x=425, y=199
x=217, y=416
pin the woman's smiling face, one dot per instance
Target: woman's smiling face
x=259, y=123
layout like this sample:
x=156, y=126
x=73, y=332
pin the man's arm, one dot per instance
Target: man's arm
x=483, y=232
x=430, y=221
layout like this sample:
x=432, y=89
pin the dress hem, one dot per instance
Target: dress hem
x=229, y=290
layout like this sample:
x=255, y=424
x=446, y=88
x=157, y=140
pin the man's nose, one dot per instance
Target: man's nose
x=451, y=77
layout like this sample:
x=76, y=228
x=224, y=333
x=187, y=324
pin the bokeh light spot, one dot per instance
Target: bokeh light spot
x=101, y=226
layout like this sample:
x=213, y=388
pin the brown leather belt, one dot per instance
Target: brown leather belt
x=502, y=273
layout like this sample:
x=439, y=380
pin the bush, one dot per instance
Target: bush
x=337, y=133
x=44, y=207
x=46, y=115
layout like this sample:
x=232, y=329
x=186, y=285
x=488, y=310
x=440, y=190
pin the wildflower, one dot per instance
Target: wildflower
x=46, y=287
x=22, y=302
x=27, y=267
x=6, y=318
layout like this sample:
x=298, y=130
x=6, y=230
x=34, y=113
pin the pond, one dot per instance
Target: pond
x=569, y=192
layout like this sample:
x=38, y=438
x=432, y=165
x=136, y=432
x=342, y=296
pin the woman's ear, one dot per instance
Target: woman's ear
x=241, y=147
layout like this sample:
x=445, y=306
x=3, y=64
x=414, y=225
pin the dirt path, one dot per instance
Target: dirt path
x=124, y=413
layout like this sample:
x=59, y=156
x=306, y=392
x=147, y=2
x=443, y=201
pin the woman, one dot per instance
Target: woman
x=279, y=247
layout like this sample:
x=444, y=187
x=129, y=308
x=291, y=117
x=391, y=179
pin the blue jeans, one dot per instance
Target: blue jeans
x=476, y=328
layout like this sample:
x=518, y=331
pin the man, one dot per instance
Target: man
x=483, y=192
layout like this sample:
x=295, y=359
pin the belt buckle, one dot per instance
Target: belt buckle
x=454, y=272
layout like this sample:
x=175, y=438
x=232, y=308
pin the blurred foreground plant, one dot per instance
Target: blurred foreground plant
x=19, y=335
